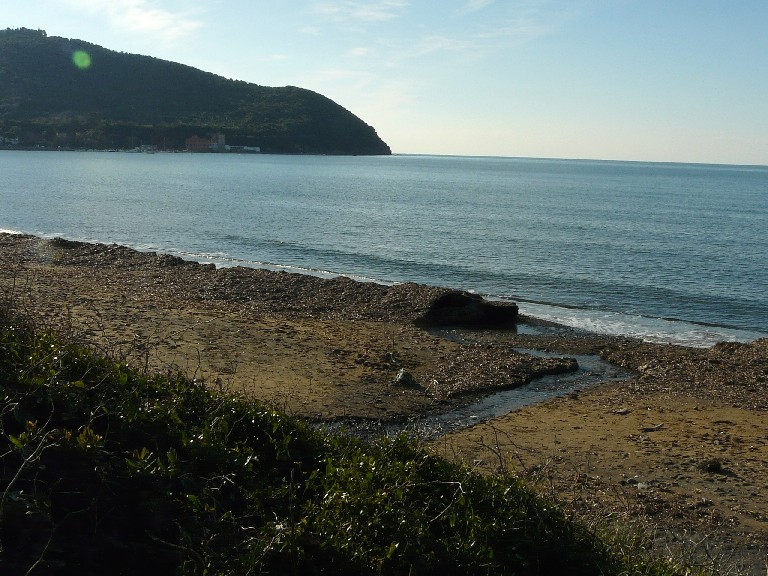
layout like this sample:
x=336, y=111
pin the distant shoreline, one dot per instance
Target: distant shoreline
x=703, y=165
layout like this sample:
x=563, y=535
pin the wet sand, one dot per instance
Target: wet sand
x=681, y=447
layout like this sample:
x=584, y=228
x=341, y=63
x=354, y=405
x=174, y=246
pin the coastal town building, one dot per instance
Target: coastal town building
x=216, y=143
x=197, y=144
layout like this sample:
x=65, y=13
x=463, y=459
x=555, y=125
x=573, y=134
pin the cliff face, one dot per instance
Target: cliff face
x=84, y=95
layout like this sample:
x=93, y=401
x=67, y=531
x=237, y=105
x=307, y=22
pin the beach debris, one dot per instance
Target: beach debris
x=715, y=466
x=405, y=379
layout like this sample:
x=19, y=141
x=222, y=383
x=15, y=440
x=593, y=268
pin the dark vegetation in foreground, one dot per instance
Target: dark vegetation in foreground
x=108, y=469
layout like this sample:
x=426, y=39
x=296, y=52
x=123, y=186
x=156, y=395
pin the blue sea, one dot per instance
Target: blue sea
x=665, y=252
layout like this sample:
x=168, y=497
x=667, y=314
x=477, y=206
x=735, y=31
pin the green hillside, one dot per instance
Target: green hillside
x=69, y=93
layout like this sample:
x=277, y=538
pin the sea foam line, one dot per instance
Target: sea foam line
x=648, y=329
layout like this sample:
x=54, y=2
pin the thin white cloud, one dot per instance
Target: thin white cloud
x=273, y=58
x=475, y=5
x=432, y=44
x=310, y=30
x=518, y=30
x=520, y=22
x=359, y=52
x=143, y=17
x=361, y=11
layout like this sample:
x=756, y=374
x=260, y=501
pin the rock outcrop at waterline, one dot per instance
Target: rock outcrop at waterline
x=470, y=310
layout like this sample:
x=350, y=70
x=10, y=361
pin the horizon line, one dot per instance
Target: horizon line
x=577, y=159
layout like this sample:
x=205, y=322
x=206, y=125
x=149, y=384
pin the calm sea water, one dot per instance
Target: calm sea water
x=667, y=252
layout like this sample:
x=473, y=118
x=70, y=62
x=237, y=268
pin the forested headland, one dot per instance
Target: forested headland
x=66, y=93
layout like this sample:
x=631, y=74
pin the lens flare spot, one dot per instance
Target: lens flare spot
x=81, y=59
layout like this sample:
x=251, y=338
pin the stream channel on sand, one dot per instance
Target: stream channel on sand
x=592, y=371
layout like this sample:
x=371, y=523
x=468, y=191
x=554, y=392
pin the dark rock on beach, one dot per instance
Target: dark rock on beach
x=465, y=309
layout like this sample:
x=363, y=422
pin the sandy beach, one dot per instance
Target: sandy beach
x=680, y=448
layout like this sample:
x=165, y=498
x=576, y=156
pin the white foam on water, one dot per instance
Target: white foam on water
x=222, y=260
x=656, y=330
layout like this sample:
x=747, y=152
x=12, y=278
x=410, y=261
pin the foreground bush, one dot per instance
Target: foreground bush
x=107, y=470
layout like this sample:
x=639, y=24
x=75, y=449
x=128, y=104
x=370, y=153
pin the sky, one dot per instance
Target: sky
x=648, y=80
